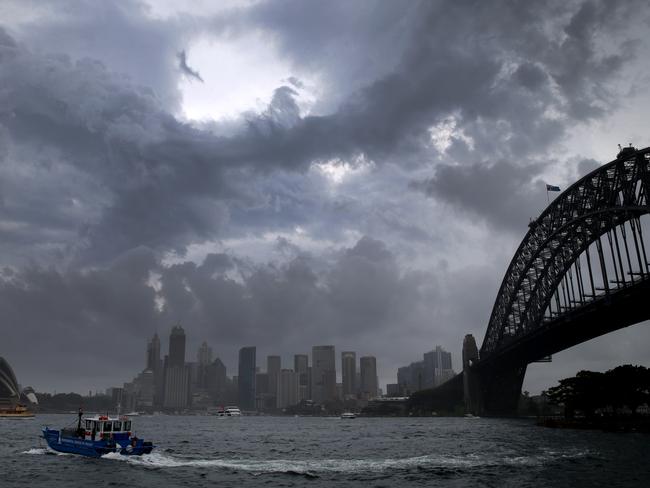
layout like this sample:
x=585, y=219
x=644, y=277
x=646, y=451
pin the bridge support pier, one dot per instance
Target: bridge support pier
x=500, y=390
x=492, y=391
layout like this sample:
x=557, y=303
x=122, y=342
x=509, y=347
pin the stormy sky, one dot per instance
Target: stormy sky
x=293, y=173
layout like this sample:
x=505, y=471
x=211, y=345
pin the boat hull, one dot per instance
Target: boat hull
x=75, y=445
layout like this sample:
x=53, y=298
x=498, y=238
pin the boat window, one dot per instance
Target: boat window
x=117, y=426
x=127, y=425
x=88, y=424
x=107, y=426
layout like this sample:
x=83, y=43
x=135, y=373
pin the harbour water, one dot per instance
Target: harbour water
x=303, y=451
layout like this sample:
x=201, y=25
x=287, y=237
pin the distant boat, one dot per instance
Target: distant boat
x=17, y=412
x=96, y=436
x=348, y=415
x=229, y=412
x=132, y=414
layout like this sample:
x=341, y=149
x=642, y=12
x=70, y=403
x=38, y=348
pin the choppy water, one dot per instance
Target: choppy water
x=368, y=452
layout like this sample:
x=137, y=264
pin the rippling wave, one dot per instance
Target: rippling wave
x=349, y=466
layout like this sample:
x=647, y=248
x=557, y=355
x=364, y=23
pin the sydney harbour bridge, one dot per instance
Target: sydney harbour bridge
x=580, y=272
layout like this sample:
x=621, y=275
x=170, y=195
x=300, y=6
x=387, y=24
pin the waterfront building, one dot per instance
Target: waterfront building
x=323, y=372
x=301, y=366
x=437, y=367
x=432, y=371
x=263, y=398
x=288, y=388
x=392, y=390
x=246, y=378
x=349, y=374
x=369, y=386
x=177, y=387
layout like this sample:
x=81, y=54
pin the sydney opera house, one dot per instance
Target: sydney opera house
x=10, y=394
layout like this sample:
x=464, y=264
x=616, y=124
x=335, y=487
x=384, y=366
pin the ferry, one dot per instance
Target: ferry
x=348, y=415
x=17, y=412
x=96, y=436
x=229, y=412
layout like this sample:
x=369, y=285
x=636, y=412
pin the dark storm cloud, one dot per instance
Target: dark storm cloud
x=173, y=177
x=506, y=194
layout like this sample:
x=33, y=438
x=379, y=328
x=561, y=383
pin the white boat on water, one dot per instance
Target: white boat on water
x=229, y=412
x=348, y=415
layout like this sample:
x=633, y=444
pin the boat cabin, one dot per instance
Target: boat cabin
x=105, y=427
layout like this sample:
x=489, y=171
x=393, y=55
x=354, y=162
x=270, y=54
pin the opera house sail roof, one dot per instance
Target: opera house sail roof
x=9, y=390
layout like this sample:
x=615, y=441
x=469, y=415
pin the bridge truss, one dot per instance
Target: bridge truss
x=587, y=245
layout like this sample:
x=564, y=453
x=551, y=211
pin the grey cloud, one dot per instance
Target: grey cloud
x=505, y=194
x=283, y=307
x=184, y=67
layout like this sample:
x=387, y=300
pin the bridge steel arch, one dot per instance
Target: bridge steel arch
x=547, y=266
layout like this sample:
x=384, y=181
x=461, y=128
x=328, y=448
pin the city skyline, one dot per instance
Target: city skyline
x=171, y=383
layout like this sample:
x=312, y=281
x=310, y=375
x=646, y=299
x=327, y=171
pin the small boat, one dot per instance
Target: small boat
x=229, y=412
x=348, y=415
x=17, y=412
x=96, y=436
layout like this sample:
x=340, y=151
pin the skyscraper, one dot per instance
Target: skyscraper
x=273, y=367
x=155, y=364
x=323, y=373
x=153, y=353
x=246, y=378
x=203, y=360
x=349, y=373
x=301, y=366
x=177, y=346
x=288, y=388
x=369, y=385
x=177, y=374
x=204, y=354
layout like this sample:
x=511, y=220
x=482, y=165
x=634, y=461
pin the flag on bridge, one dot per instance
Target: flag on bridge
x=552, y=188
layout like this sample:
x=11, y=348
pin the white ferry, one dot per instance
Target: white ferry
x=348, y=415
x=229, y=412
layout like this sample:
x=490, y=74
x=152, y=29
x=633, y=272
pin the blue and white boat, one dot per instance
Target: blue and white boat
x=96, y=436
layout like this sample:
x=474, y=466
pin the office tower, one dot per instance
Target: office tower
x=349, y=374
x=177, y=346
x=323, y=373
x=215, y=379
x=203, y=360
x=246, y=378
x=177, y=374
x=155, y=364
x=204, y=355
x=288, y=388
x=392, y=390
x=301, y=366
x=153, y=353
x=273, y=366
x=437, y=367
x=369, y=387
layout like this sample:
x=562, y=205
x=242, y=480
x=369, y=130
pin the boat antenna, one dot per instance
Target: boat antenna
x=80, y=414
